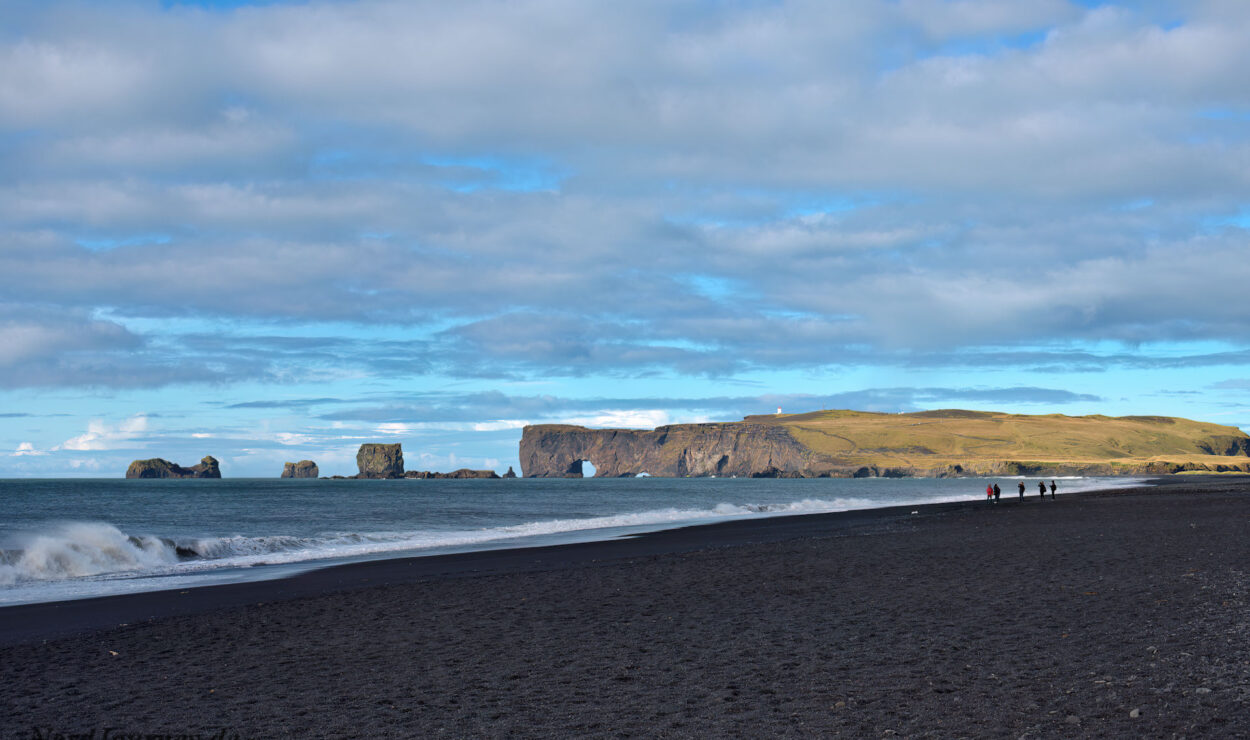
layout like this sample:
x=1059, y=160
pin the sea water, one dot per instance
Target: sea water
x=74, y=538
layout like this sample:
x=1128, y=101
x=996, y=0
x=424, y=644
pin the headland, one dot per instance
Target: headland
x=861, y=444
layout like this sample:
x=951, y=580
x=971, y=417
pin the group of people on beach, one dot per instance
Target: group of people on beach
x=992, y=492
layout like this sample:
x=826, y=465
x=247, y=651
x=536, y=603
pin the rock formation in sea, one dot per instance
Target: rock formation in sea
x=511, y=473
x=375, y=460
x=457, y=474
x=161, y=468
x=301, y=469
x=861, y=444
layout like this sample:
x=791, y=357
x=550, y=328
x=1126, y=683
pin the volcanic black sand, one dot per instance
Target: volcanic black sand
x=1118, y=614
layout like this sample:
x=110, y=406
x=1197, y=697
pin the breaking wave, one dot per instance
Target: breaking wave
x=100, y=550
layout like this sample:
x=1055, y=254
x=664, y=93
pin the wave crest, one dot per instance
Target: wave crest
x=81, y=549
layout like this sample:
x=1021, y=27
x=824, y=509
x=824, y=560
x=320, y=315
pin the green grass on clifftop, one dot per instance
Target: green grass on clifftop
x=929, y=439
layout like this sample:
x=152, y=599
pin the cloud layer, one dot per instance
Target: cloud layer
x=269, y=229
x=549, y=187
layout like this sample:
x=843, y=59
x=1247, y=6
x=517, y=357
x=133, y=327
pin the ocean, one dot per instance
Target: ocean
x=66, y=539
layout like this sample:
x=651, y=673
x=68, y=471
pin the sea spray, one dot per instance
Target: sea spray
x=79, y=549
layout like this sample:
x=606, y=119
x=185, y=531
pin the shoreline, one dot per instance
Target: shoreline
x=52, y=619
x=239, y=568
x=1118, y=613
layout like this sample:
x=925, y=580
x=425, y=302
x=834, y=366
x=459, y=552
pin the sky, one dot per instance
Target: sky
x=271, y=231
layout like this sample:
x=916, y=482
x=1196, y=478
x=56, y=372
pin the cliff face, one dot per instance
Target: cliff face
x=741, y=449
x=301, y=469
x=940, y=443
x=380, y=461
x=161, y=468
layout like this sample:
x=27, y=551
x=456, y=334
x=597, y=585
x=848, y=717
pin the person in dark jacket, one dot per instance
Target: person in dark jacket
x=1052, y=489
x=1041, y=487
x=997, y=492
x=1021, y=486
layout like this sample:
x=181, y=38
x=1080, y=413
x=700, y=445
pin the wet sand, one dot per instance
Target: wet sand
x=1117, y=614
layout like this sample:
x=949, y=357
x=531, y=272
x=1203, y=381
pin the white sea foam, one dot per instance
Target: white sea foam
x=97, y=549
x=79, y=549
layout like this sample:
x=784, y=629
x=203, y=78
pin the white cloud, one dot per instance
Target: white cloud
x=954, y=18
x=291, y=438
x=102, y=436
x=392, y=428
x=500, y=425
x=25, y=449
x=288, y=156
x=627, y=418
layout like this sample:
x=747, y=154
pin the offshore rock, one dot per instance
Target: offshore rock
x=161, y=468
x=301, y=469
x=462, y=473
x=511, y=473
x=380, y=461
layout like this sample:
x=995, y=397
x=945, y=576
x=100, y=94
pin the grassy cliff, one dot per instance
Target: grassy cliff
x=863, y=444
x=998, y=443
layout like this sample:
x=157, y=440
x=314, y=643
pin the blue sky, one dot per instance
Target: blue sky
x=270, y=231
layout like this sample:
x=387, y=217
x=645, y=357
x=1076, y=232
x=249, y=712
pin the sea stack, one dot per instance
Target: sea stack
x=301, y=469
x=511, y=473
x=161, y=468
x=380, y=461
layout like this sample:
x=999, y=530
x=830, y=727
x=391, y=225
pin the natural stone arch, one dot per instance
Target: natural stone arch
x=577, y=469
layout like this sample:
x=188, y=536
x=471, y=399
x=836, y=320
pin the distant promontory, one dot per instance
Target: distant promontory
x=862, y=444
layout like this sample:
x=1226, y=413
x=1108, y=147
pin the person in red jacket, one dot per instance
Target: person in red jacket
x=989, y=492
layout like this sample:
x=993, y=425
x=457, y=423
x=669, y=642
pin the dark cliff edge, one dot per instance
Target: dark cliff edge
x=161, y=468
x=683, y=450
x=780, y=447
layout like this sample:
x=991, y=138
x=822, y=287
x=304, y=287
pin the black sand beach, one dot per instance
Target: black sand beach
x=1117, y=614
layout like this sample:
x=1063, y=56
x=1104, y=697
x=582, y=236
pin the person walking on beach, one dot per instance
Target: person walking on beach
x=997, y=492
x=1052, y=489
x=989, y=492
x=1021, y=486
x=1041, y=487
